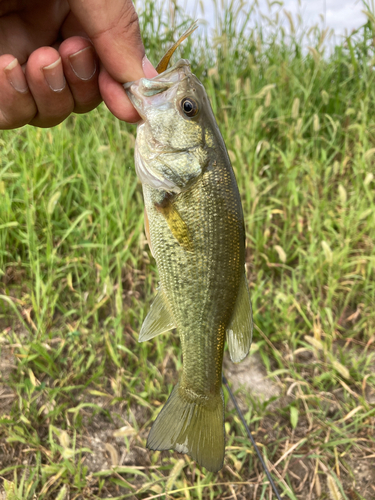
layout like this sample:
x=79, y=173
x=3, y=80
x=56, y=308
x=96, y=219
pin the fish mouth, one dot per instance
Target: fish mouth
x=140, y=91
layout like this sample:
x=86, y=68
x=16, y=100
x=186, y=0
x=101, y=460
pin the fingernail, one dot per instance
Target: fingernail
x=15, y=76
x=83, y=63
x=148, y=68
x=54, y=75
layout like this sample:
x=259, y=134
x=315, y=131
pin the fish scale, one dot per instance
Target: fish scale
x=216, y=240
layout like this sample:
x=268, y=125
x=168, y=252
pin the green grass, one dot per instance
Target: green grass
x=77, y=279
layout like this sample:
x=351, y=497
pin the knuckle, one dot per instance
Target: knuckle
x=13, y=120
x=84, y=106
x=127, y=23
x=52, y=110
x=130, y=29
x=48, y=121
x=131, y=18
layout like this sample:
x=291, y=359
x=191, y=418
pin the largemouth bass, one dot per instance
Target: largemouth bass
x=195, y=228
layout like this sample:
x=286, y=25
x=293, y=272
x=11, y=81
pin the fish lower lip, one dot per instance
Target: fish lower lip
x=128, y=85
x=142, y=115
x=135, y=98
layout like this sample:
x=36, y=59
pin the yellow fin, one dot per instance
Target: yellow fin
x=163, y=64
x=240, y=328
x=191, y=427
x=158, y=320
x=176, y=224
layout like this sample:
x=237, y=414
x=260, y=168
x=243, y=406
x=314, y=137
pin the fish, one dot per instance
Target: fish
x=196, y=233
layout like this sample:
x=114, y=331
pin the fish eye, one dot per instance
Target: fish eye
x=189, y=106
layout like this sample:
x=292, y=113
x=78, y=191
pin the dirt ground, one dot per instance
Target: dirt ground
x=104, y=436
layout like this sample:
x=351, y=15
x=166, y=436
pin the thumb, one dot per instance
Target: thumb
x=113, y=28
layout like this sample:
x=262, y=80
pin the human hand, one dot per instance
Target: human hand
x=61, y=72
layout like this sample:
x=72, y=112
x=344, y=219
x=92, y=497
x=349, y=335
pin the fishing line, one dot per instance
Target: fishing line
x=234, y=401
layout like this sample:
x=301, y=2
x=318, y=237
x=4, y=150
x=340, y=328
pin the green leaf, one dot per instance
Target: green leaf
x=293, y=416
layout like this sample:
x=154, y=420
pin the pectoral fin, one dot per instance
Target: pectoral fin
x=176, y=224
x=240, y=328
x=158, y=319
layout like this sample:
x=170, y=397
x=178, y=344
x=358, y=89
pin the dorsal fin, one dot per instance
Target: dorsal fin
x=163, y=64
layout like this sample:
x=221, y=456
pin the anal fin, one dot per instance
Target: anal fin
x=240, y=328
x=158, y=320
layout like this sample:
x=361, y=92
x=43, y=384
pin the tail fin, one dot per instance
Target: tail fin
x=191, y=427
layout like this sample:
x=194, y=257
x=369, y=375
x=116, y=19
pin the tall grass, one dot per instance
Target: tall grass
x=77, y=277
